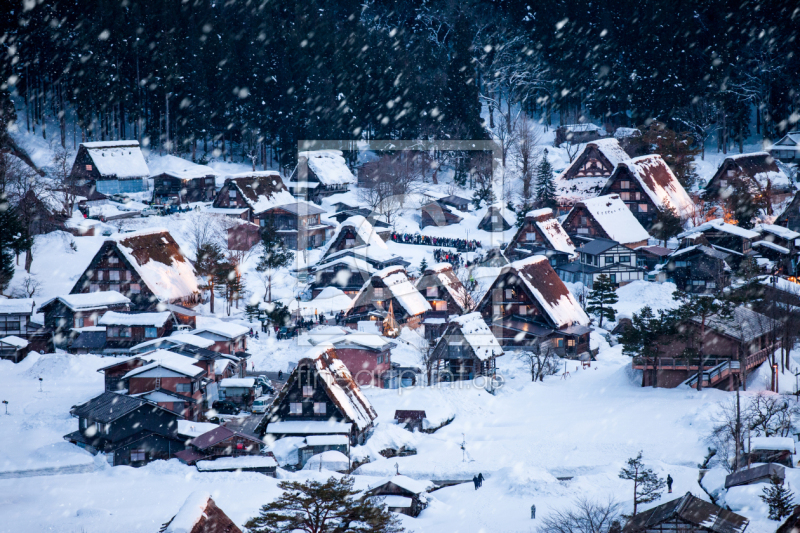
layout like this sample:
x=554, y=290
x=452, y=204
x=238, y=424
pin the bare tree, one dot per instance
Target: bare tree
x=540, y=359
x=700, y=117
x=528, y=137
x=572, y=149
x=585, y=516
x=28, y=288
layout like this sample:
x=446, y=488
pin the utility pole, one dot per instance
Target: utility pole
x=738, y=432
x=167, y=125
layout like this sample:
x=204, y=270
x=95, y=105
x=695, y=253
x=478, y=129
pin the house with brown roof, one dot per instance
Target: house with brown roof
x=388, y=291
x=688, y=514
x=321, y=397
x=437, y=214
x=109, y=167
x=588, y=172
x=320, y=173
x=221, y=442
x=467, y=349
x=541, y=234
x=200, y=514
x=757, y=171
x=529, y=304
x=444, y=291
x=605, y=217
x=647, y=186
x=250, y=193
x=147, y=266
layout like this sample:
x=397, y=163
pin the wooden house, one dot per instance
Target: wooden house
x=775, y=450
x=147, y=266
x=321, y=397
x=498, y=218
x=228, y=337
x=757, y=171
x=699, y=269
x=462, y=204
x=171, y=381
x=13, y=348
x=647, y=186
x=648, y=257
x=687, y=514
x=757, y=474
x=790, y=218
x=787, y=149
x=64, y=314
x=579, y=133
x=15, y=319
x=221, y=442
x=410, y=419
x=444, y=292
x=126, y=430
x=109, y=167
x=401, y=494
x=241, y=391
x=367, y=356
x=319, y=174
x=779, y=245
x=588, y=172
x=298, y=224
x=124, y=330
x=733, y=240
x=254, y=192
x=200, y=514
x=466, y=350
x=243, y=236
x=745, y=337
x=387, y=288
x=437, y=214
x=599, y=257
x=381, y=228
x=541, y=234
x=354, y=253
x=605, y=217
x=528, y=304
x=170, y=188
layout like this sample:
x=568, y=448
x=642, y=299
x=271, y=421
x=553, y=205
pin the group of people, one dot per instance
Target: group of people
x=446, y=256
x=478, y=481
x=463, y=245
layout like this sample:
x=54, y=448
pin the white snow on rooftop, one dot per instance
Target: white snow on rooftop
x=411, y=485
x=780, y=231
x=10, y=306
x=13, y=340
x=193, y=429
x=179, y=167
x=368, y=242
x=241, y=383
x=232, y=463
x=308, y=427
x=720, y=225
x=552, y=230
x=479, y=336
x=120, y=159
x=616, y=219
x=403, y=291
x=112, y=318
x=329, y=166
x=660, y=184
x=91, y=300
x=169, y=360
x=218, y=327
x=330, y=460
x=772, y=443
x=190, y=513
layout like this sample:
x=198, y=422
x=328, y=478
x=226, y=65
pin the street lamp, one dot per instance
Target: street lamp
x=40, y=384
x=5, y=402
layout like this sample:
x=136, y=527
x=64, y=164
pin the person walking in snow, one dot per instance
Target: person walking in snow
x=669, y=483
x=480, y=479
x=476, y=482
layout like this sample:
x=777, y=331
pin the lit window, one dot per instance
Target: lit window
x=135, y=288
x=320, y=408
x=295, y=408
x=308, y=391
x=643, y=208
x=625, y=195
x=624, y=184
x=89, y=167
x=570, y=342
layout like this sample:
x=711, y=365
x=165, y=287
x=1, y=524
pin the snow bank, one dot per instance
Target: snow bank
x=637, y=294
x=331, y=460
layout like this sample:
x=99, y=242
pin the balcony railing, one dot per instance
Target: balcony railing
x=680, y=363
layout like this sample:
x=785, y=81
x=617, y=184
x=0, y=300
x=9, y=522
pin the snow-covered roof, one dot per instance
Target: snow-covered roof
x=368, y=242
x=552, y=230
x=261, y=190
x=327, y=440
x=179, y=168
x=329, y=166
x=405, y=482
x=191, y=512
x=779, y=231
x=720, y=225
x=13, y=340
x=616, y=219
x=772, y=246
x=223, y=329
x=188, y=338
x=762, y=169
x=190, y=428
x=120, y=159
x=112, y=318
x=500, y=209
x=308, y=427
x=659, y=183
x=16, y=306
x=330, y=460
x=233, y=463
x=588, y=126
x=621, y=133
x=395, y=279
x=549, y=291
x=158, y=260
x=479, y=336
x=342, y=388
x=241, y=383
x=169, y=360
x=447, y=278
x=86, y=301
x=394, y=501
x=354, y=263
x=772, y=443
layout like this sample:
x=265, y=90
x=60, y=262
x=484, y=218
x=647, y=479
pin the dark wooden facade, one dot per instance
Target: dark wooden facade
x=581, y=224
x=699, y=269
x=244, y=192
x=444, y=291
x=530, y=239
x=686, y=515
x=375, y=297
x=298, y=225
x=790, y=218
x=171, y=189
x=744, y=169
x=456, y=357
x=60, y=319
x=437, y=214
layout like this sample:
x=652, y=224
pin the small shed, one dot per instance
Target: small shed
x=758, y=474
x=411, y=419
x=243, y=237
x=13, y=348
x=462, y=204
x=263, y=464
x=401, y=494
x=771, y=450
x=199, y=514
x=221, y=442
x=330, y=460
x=437, y=214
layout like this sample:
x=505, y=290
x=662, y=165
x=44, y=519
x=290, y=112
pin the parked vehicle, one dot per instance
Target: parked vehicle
x=152, y=211
x=266, y=386
x=226, y=408
x=121, y=198
x=260, y=405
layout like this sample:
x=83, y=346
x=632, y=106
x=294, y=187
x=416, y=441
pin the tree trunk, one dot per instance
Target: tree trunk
x=211, y=285
x=28, y=260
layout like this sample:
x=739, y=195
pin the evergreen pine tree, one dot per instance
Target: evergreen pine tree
x=779, y=498
x=208, y=259
x=423, y=266
x=251, y=312
x=647, y=486
x=522, y=212
x=601, y=297
x=14, y=239
x=274, y=254
x=332, y=505
x=667, y=225
x=545, y=184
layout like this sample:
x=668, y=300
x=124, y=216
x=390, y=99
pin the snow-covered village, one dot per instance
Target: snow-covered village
x=331, y=267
